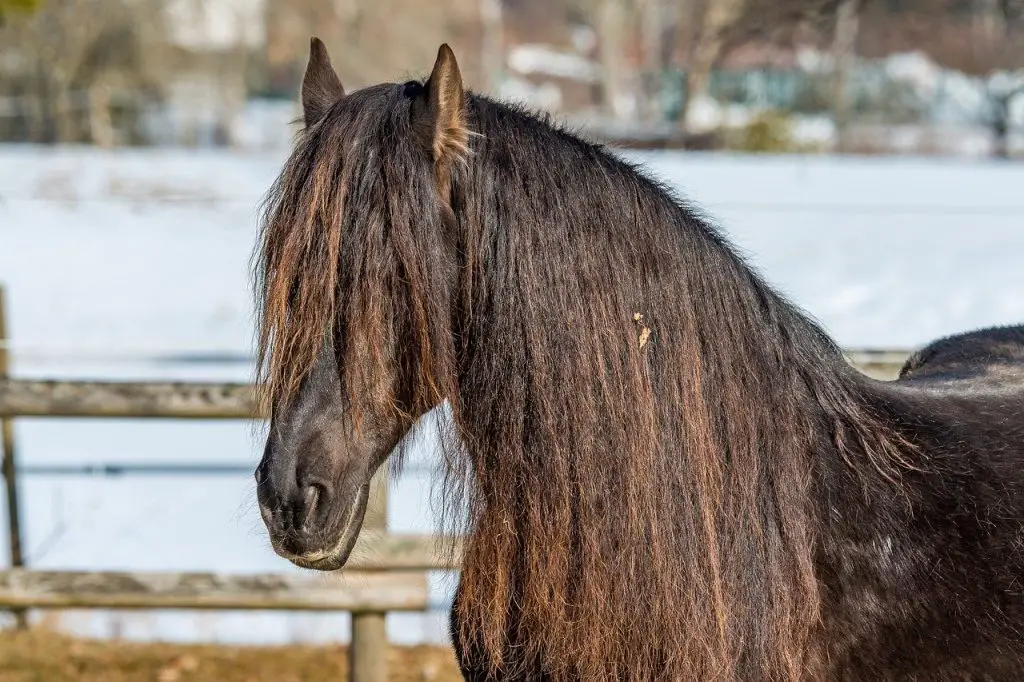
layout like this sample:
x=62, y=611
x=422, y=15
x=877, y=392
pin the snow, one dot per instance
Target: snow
x=886, y=252
x=117, y=254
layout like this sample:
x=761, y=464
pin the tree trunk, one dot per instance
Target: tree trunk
x=611, y=30
x=990, y=21
x=652, y=36
x=493, y=44
x=843, y=54
x=1001, y=121
x=101, y=130
x=718, y=16
x=46, y=128
x=64, y=109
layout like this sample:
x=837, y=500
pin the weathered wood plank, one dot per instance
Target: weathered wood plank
x=173, y=400
x=878, y=364
x=346, y=591
x=102, y=399
x=9, y=467
x=368, y=652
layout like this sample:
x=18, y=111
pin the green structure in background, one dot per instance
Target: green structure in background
x=779, y=89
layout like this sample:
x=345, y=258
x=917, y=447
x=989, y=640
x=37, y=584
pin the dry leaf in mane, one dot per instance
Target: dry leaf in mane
x=645, y=332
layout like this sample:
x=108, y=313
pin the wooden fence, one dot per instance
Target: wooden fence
x=384, y=574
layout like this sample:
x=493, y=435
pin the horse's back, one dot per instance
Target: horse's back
x=962, y=399
x=992, y=358
x=972, y=386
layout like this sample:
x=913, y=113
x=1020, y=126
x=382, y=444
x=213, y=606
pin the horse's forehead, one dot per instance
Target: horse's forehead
x=361, y=112
x=369, y=96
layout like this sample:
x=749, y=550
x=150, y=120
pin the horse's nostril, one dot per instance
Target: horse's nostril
x=261, y=473
x=311, y=500
x=266, y=514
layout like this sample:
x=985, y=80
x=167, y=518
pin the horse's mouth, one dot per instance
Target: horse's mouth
x=336, y=556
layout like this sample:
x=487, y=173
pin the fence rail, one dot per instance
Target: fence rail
x=356, y=591
x=102, y=399
x=178, y=400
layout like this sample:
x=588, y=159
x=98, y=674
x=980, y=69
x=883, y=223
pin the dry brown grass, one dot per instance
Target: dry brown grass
x=45, y=656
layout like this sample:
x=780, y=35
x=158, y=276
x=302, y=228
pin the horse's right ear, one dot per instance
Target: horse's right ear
x=321, y=87
x=446, y=105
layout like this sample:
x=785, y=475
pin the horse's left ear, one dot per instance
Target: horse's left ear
x=321, y=87
x=446, y=109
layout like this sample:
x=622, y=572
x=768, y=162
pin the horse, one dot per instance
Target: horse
x=663, y=469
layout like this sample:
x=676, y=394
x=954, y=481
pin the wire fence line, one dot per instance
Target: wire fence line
x=177, y=355
x=156, y=469
x=35, y=352
x=867, y=209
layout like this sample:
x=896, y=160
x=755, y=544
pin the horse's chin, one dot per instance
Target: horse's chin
x=336, y=556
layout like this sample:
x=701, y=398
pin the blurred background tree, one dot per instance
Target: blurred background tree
x=10, y=6
x=201, y=72
x=73, y=66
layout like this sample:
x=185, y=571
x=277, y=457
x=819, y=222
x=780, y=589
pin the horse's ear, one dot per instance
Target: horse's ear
x=446, y=106
x=321, y=87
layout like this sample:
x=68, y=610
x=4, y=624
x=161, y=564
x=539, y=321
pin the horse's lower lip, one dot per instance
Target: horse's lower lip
x=326, y=564
x=336, y=556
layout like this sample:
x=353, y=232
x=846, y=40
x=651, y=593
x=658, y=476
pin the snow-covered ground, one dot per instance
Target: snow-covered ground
x=107, y=255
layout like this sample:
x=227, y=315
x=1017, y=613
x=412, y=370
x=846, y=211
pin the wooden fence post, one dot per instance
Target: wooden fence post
x=844, y=53
x=368, y=648
x=9, y=469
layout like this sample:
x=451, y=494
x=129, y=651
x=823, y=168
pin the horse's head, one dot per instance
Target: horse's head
x=355, y=278
x=313, y=480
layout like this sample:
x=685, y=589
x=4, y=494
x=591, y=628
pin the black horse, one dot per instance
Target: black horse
x=671, y=473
